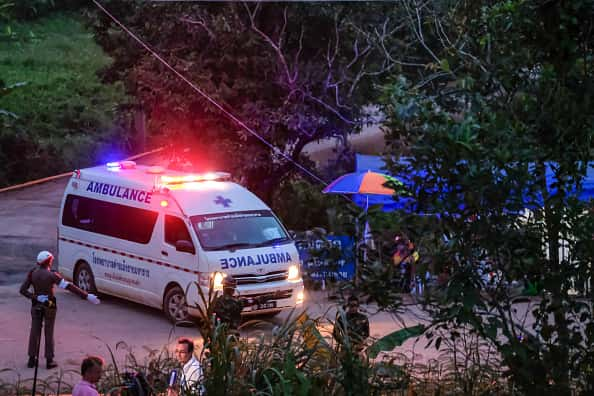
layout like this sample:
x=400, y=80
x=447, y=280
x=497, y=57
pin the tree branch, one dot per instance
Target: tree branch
x=277, y=47
x=199, y=23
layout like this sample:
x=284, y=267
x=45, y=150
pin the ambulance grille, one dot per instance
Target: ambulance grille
x=275, y=276
x=273, y=296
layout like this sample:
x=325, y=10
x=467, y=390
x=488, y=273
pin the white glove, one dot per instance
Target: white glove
x=93, y=299
x=42, y=298
x=63, y=284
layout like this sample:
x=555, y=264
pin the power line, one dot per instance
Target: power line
x=208, y=98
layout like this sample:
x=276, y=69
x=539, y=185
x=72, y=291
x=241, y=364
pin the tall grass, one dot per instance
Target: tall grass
x=52, y=385
x=297, y=359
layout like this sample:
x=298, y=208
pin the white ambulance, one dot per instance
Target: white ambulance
x=153, y=236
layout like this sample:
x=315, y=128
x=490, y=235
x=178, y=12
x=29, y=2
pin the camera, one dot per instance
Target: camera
x=134, y=384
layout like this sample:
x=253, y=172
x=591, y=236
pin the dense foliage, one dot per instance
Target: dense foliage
x=294, y=73
x=58, y=114
x=508, y=92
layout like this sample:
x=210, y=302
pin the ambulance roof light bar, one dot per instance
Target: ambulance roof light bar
x=210, y=176
x=119, y=165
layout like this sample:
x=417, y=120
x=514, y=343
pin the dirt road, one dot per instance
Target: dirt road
x=83, y=328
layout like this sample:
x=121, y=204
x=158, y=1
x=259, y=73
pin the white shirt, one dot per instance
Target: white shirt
x=84, y=388
x=192, y=374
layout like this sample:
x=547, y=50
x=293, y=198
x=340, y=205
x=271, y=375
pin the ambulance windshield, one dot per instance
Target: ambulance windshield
x=238, y=230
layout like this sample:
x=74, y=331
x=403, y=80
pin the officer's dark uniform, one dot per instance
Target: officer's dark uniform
x=44, y=282
x=228, y=307
x=357, y=329
x=228, y=311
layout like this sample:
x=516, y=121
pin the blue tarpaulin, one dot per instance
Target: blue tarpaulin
x=376, y=163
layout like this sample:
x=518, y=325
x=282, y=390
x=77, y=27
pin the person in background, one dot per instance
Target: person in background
x=90, y=370
x=401, y=260
x=228, y=306
x=357, y=326
x=412, y=258
x=43, y=305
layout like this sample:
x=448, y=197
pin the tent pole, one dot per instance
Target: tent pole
x=356, y=252
x=361, y=239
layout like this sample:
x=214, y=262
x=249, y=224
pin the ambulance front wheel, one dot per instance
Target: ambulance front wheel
x=175, y=306
x=84, y=278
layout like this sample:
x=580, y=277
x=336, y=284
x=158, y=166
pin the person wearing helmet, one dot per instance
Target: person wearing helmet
x=353, y=323
x=228, y=306
x=43, y=305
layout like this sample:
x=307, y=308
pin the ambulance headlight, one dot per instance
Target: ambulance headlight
x=293, y=273
x=217, y=280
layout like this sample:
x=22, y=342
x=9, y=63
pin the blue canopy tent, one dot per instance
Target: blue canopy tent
x=587, y=192
x=375, y=163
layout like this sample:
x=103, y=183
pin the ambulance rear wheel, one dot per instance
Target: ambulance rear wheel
x=84, y=278
x=175, y=306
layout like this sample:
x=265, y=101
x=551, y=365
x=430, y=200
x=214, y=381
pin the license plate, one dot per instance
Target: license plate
x=266, y=305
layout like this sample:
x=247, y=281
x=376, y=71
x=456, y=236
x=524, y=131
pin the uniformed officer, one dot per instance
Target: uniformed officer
x=357, y=326
x=44, y=307
x=228, y=307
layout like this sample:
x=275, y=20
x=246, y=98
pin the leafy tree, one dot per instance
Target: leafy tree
x=507, y=91
x=294, y=73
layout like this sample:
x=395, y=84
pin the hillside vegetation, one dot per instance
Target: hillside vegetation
x=58, y=114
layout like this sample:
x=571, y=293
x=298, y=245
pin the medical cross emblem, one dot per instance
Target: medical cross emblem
x=226, y=202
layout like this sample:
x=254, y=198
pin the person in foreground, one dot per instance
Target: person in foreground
x=44, y=305
x=90, y=370
x=189, y=378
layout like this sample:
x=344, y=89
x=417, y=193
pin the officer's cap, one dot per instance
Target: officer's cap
x=229, y=282
x=44, y=256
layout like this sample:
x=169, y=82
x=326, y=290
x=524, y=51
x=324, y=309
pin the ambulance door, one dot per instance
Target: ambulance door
x=179, y=250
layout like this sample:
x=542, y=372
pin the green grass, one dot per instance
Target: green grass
x=67, y=117
x=58, y=60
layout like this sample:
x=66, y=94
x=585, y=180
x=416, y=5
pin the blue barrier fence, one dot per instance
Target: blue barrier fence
x=319, y=266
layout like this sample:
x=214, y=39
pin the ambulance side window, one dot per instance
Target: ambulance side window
x=110, y=219
x=80, y=212
x=176, y=230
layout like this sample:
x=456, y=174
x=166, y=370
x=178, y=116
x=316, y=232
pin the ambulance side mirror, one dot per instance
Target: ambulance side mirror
x=184, y=246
